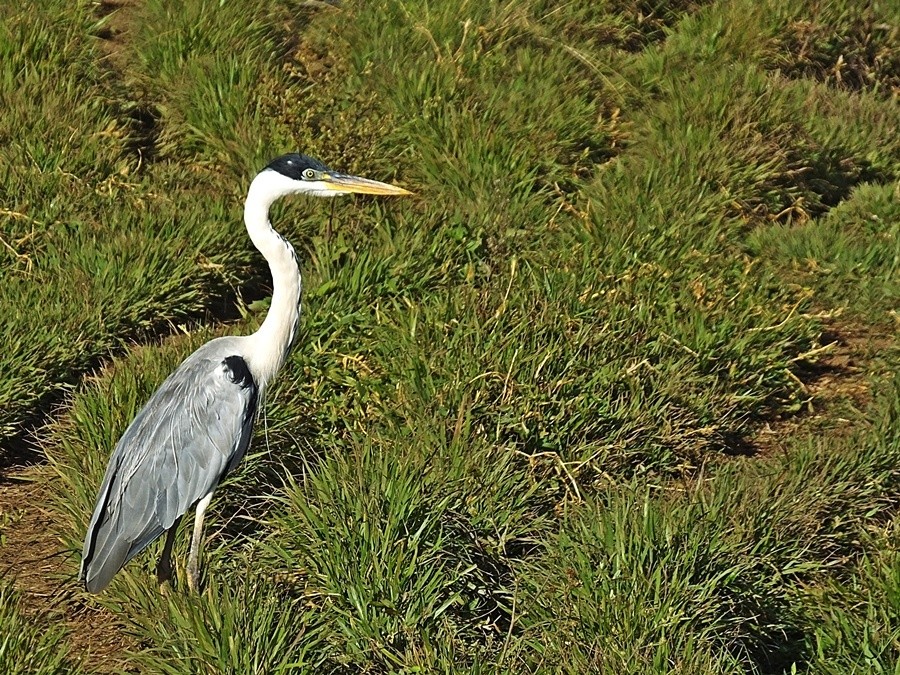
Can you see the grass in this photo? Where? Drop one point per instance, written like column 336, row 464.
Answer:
column 522, row 427
column 851, row 253
column 30, row 645
column 715, row 577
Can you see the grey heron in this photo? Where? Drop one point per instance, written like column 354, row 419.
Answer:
column 197, row 426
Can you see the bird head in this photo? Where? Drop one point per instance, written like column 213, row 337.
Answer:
column 300, row 174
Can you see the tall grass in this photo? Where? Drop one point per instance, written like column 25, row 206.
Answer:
column 33, row 645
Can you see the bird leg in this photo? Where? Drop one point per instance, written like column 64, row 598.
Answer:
column 164, row 567
column 194, row 555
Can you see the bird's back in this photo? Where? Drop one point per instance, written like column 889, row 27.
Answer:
column 194, row 429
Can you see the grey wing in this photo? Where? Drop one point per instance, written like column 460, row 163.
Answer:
column 193, row 430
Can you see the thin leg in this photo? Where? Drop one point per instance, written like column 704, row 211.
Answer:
column 164, row 567
column 194, row 556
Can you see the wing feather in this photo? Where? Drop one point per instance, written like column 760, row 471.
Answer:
column 194, row 429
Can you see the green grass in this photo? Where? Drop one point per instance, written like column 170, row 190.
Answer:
column 32, row 645
column 723, row 575
column 96, row 273
column 505, row 441
column 852, row 255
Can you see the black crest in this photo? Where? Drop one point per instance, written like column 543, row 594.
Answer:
column 294, row 165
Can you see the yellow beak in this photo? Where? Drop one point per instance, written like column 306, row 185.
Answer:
column 342, row 183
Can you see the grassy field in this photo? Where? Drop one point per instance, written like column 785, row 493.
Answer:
column 614, row 392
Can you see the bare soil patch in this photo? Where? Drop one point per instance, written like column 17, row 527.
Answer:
column 838, row 386
column 37, row 560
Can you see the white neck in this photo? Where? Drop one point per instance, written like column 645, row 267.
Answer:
column 269, row 346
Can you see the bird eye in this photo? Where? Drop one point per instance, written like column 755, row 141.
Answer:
column 309, row 174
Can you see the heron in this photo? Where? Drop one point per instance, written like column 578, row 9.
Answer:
column 197, row 426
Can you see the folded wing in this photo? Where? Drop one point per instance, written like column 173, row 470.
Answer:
column 193, row 430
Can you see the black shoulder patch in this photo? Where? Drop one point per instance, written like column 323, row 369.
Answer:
column 294, row 165
column 239, row 372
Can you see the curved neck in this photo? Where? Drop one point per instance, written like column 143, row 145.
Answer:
column 269, row 346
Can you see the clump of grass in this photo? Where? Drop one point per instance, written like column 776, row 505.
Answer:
column 72, row 216
column 846, row 46
column 852, row 255
column 724, row 575
column 854, row 619
column 631, row 25
column 206, row 68
column 58, row 121
column 43, row 159
column 729, row 144
column 634, row 584
column 402, row 550
column 30, row 646
column 244, row 626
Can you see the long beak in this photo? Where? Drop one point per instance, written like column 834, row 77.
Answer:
column 342, row 183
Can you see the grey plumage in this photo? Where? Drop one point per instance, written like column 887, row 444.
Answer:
column 194, row 429
column 197, row 426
